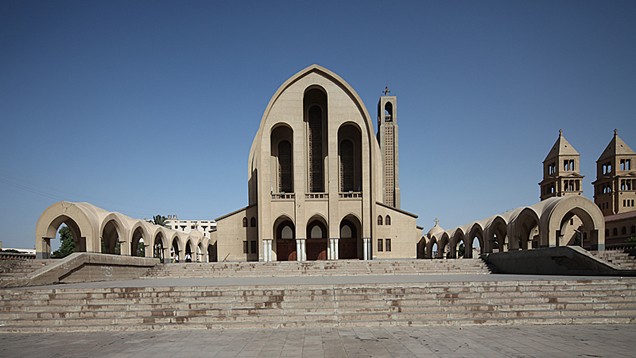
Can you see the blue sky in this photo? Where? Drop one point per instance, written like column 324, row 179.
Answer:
column 150, row 107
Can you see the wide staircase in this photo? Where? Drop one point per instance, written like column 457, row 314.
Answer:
column 319, row 268
column 601, row 301
column 10, row 269
column 624, row 259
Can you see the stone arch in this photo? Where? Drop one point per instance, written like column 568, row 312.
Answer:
column 81, row 221
column 421, row 248
column 212, row 252
column 476, row 232
column 524, row 226
column 285, row 239
column 432, row 248
column 443, row 246
column 560, row 209
column 456, row 239
column 317, row 236
column 159, row 244
column 187, row 248
column 176, row 247
column 139, row 233
column 350, row 247
column 496, row 234
column 113, row 231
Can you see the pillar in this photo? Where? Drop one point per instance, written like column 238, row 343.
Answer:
column 267, row 249
column 366, row 248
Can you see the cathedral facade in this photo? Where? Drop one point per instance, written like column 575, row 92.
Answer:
column 322, row 185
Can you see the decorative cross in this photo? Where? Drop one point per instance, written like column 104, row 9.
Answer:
column 615, row 131
column 436, row 221
column 386, row 90
column 560, row 132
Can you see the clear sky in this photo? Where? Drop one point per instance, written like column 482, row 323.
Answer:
column 150, row 107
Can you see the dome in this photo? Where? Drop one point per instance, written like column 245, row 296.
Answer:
column 435, row 231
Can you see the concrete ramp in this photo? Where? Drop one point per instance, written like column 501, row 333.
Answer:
column 85, row 267
column 564, row 260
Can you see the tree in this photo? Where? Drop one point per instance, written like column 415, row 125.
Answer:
column 159, row 220
column 461, row 251
column 141, row 249
column 68, row 245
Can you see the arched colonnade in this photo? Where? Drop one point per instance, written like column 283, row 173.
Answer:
column 548, row 223
column 97, row 230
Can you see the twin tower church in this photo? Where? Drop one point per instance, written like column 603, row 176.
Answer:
column 324, row 186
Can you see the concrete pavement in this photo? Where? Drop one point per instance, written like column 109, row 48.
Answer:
column 473, row 341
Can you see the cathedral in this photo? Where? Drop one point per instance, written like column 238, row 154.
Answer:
column 322, row 185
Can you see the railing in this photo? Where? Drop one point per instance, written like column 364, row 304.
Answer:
column 317, row 196
column 621, row 247
column 351, row 195
column 16, row 256
column 283, row 196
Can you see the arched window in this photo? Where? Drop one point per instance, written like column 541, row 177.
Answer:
column 285, row 184
column 346, row 166
column 387, row 220
column 253, row 222
column 623, row 230
column 315, row 150
column 388, row 112
column 244, row 222
column 615, row 232
column 606, row 232
column 379, row 219
column 633, row 230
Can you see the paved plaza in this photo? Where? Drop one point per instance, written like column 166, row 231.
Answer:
column 473, row 341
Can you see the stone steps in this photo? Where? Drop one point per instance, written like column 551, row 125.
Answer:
column 623, row 259
column 25, row 267
column 329, row 305
column 318, row 268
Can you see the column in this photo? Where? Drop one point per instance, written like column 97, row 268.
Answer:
column 333, row 249
column 336, row 249
column 366, row 248
column 303, row 250
column 299, row 255
column 267, row 250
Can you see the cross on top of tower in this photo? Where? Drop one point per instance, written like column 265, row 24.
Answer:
column 386, row 90
column 560, row 132
column 436, row 221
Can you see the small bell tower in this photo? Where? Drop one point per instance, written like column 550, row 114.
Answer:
column 561, row 175
column 388, row 140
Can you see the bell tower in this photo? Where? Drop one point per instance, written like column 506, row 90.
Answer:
column 388, row 140
column 615, row 185
column 561, row 175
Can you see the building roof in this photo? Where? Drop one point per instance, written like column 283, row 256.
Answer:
column 561, row 147
column 621, row 216
column 616, row 147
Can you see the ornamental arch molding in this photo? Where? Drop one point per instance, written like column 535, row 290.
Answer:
column 82, row 222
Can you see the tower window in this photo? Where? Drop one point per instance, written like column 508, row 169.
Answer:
column 626, row 164
column 253, row 222
column 380, row 249
column 387, row 245
column 607, row 168
column 387, row 220
column 244, row 222
column 388, row 112
column 379, row 219
column 568, row 165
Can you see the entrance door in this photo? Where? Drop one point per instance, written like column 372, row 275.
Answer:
column 286, row 249
column 316, row 249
